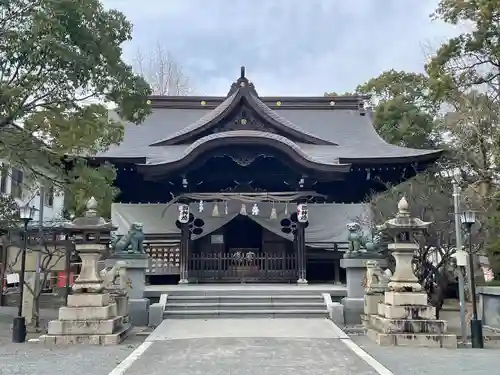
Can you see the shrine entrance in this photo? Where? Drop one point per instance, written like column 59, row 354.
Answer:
column 242, row 251
column 242, row 234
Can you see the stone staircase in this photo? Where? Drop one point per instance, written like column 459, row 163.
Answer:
column 242, row 304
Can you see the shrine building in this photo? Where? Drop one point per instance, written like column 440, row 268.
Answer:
column 242, row 163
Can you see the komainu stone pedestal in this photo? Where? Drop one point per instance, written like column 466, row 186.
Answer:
column 376, row 285
column 355, row 275
column 136, row 265
column 88, row 319
column 371, row 302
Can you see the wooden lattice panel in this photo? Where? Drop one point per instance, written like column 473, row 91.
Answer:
column 163, row 260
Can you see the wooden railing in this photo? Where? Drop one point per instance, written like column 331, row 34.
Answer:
column 242, row 266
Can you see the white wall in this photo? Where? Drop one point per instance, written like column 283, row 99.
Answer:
column 31, row 196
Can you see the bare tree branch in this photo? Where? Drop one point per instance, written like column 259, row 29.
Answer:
column 164, row 74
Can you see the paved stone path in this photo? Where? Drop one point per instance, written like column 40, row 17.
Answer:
column 426, row 361
column 248, row 346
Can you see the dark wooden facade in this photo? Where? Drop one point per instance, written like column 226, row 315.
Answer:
column 243, row 143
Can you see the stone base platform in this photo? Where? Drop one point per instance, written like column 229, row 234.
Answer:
column 406, row 312
column 371, row 302
column 365, row 320
column 405, row 319
column 95, row 339
column 386, row 325
column 88, row 319
column 426, row 340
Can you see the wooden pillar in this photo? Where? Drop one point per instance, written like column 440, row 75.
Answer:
column 301, row 253
column 184, row 254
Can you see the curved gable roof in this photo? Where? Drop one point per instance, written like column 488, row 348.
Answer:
column 184, row 154
column 242, row 92
column 341, row 131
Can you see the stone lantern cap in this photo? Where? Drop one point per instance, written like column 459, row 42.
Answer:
column 403, row 222
column 90, row 221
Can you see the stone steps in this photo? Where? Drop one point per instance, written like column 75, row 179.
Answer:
column 155, row 292
column 247, row 313
column 244, row 298
column 229, row 305
column 245, row 306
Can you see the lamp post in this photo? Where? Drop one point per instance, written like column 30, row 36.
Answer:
column 460, row 255
column 468, row 219
column 26, row 214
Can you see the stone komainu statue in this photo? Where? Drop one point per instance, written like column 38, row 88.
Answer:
column 359, row 242
column 377, row 280
column 132, row 242
column 116, row 278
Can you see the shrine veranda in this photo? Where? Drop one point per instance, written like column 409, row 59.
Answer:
column 242, row 163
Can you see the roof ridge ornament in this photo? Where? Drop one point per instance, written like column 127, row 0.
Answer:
column 242, row 83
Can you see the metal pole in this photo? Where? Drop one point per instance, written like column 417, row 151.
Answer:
column 476, row 325
column 23, row 269
column 68, row 271
column 37, row 287
column 19, row 323
column 460, row 273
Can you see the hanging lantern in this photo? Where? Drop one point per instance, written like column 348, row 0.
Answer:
column 184, row 213
column 302, row 213
column 274, row 214
column 255, row 209
column 243, row 210
column 215, row 211
column 226, row 210
column 200, row 206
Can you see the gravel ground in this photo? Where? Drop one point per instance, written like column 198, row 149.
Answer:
column 422, row 361
column 37, row 359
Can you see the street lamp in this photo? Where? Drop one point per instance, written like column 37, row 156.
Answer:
column 26, row 214
column 468, row 219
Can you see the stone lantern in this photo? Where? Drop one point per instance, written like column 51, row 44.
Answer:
column 86, row 232
column 404, row 317
column 402, row 229
column 91, row 315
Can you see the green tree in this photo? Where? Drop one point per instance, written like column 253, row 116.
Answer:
column 60, row 71
column 465, row 74
column 403, row 113
column 8, row 213
column 86, row 182
column 472, row 127
column 472, row 59
column 493, row 243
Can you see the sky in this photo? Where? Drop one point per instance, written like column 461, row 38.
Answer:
column 289, row 47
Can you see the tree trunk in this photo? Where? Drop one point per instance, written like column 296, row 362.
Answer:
column 36, row 316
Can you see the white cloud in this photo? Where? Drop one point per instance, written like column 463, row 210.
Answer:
column 290, row 47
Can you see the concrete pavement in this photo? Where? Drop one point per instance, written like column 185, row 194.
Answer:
column 425, row 361
column 249, row 346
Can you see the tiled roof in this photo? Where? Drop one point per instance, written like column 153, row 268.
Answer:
column 354, row 134
column 330, row 133
column 174, row 154
column 208, row 117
